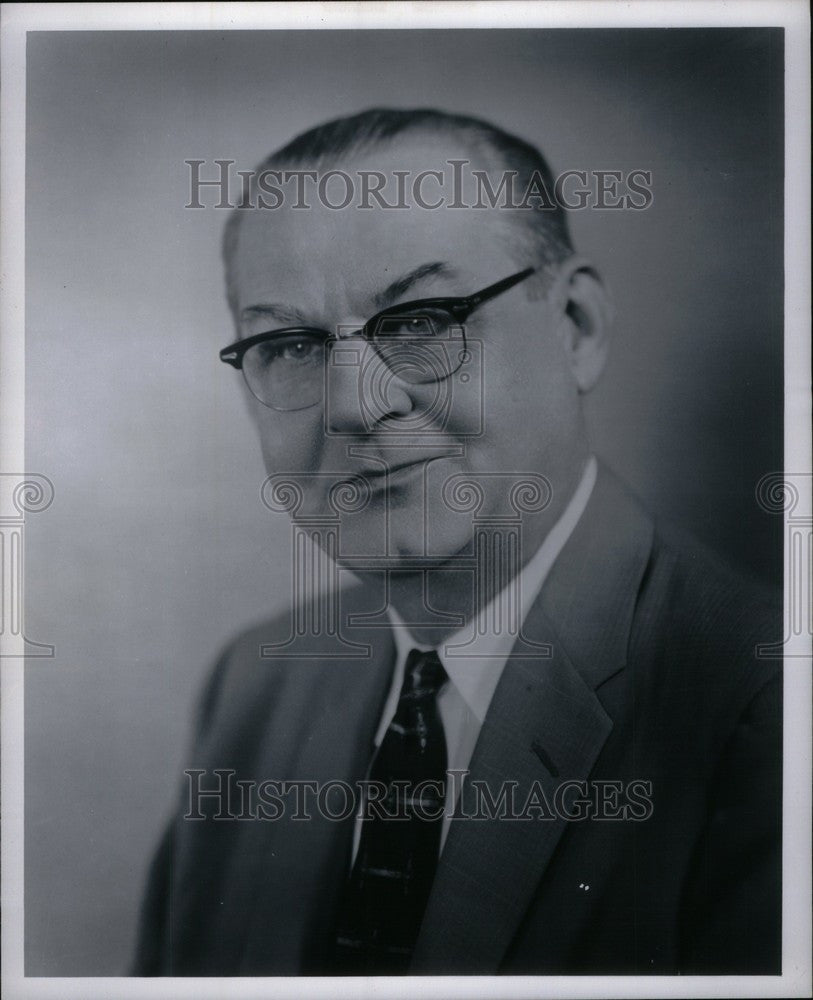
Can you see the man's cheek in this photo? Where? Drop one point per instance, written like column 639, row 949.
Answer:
column 291, row 445
column 462, row 414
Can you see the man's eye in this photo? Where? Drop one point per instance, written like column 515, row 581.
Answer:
column 427, row 323
column 291, row 350
column 297, row 350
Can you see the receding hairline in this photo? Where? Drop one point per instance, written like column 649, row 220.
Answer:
column 472, row 135
column 332, row 143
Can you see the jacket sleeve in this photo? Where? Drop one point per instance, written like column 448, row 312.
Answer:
column 732, row 913
column 153, row 929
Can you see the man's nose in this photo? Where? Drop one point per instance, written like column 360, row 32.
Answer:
column 361, row 390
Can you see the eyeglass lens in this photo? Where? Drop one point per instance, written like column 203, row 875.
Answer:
column 288, row 372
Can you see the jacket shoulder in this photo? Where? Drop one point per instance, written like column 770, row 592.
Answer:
column 701, row 642
column 242, row 659
column 709, row 608
column 274, row 662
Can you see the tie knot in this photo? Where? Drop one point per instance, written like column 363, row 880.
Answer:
column 423, row 674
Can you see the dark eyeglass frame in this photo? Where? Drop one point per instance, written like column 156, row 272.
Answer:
column 459, row 307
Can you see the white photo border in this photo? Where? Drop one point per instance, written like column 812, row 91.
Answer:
column 792, row 15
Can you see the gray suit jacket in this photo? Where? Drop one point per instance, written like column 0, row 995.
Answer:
column 650, row 674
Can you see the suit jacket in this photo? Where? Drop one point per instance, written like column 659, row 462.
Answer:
column 650, row 673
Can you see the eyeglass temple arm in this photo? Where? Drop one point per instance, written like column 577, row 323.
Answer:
column 498, row 288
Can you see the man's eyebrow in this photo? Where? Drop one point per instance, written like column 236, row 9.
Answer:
column 274, row 311
column 286, row 315
column 402, row 285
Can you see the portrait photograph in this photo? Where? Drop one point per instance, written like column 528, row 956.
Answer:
column 406, row 500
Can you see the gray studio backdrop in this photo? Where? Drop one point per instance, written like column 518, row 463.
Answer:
column 157, row 547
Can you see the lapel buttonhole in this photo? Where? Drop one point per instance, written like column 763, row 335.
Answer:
column 542, row 754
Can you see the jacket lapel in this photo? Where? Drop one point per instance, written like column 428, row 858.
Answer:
column 545, row 726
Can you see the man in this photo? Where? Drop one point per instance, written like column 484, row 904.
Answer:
column 567, row 750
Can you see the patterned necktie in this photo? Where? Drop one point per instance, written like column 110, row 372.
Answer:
column 389, row 886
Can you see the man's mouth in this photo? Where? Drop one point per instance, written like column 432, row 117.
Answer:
column 378, row 475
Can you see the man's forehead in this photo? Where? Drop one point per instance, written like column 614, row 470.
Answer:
column 299, row 249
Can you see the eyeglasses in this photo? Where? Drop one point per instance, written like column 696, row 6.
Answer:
column 284, row 369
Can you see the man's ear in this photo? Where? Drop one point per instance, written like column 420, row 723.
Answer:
column 585, row 313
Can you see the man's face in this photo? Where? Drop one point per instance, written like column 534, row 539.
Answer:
column 510, row 411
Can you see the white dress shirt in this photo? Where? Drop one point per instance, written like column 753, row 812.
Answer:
column 475, row 669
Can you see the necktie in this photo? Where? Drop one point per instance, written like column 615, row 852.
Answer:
column 389, row 885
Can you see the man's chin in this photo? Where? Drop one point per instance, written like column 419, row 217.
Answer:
column 402, row 555
column 401, row 562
